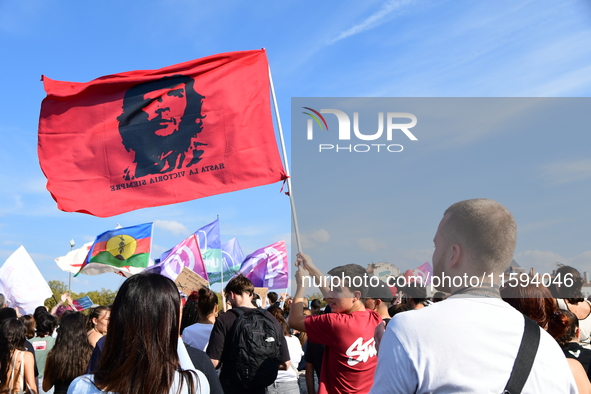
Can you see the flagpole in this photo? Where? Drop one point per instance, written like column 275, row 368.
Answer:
column 72, row 244
column 222, row 270
column 283, row 150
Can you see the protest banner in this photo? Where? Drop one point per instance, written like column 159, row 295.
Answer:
column 262, row 292
column 189, row 281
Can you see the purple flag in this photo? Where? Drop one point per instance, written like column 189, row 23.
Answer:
column 185, row 254
column 268, row 266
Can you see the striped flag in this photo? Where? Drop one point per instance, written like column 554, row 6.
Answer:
column 124, row 251
column 83, row 303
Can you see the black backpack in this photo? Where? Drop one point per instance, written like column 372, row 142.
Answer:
column 254, row 358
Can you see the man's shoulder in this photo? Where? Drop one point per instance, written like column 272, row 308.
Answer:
column 228, row 318
column 453, row 306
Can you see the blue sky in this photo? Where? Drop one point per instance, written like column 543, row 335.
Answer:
column 328, row 49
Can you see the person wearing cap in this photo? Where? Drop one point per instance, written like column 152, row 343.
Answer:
column 378, row 299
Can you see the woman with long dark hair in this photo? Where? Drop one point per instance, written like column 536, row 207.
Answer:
column 16, row 364
column 190, row 311
column 70, row 354
column 141, row 353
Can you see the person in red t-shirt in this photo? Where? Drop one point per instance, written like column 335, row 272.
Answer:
column 350, row 356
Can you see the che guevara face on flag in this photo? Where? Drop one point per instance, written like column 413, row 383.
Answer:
column 160, row 123
column 146, row 138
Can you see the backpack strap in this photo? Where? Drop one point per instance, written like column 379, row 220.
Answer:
column 237, row 311
column 525, row 357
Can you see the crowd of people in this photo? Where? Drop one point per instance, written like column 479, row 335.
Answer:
column 357, row 339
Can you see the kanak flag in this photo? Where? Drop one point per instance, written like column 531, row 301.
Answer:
column 124, row 251
column 154, row 137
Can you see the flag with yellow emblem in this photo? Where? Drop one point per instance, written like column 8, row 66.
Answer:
column 124, row 251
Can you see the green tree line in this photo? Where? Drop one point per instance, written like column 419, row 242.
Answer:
column 102, row 297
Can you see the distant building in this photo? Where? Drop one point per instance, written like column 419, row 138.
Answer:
column 383, row 270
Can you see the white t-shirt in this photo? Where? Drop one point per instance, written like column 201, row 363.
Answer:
column 197, row 335
column 85, row 385
column 295, row 356
column 464, row 344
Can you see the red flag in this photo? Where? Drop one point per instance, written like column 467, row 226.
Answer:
column 155, row 137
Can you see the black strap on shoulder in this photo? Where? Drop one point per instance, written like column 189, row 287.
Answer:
column 237, row 311
column 525, row 357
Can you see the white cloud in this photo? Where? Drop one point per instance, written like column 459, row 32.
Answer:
column 370, row 244
column 174, row 227
column 561, row 172
column 373, row 20
column 310, row 240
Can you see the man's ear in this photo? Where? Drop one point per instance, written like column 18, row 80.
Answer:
column 455, row 254
column 378, row 302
